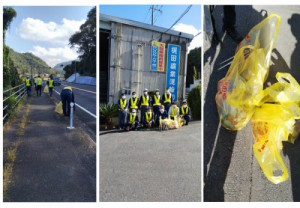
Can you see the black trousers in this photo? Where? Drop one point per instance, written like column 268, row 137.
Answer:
column 229, row 16
column 66, row 99
column 38, row 90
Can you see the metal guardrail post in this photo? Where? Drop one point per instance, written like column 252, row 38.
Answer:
column 71, row 116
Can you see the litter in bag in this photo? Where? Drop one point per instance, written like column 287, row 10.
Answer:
column 46, row 89
column 58, row 108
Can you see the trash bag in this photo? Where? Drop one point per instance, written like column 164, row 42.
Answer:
column 270, row 129
column 239, row 92
column 170, row 124
column 59, row 109
column 286, row 90
column 46, row 89
column 236, row 94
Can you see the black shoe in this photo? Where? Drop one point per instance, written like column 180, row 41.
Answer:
column 235, row 36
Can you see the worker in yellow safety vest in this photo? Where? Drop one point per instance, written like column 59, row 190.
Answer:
column 123, row 108
column 144, row 104
column 185, row 112
column 50, row 85
column 39, row 83
column 67, row 96
column 28, row 86
column 167, row 99
column 132, row 120
column 133, row 102
column 173, row 111
column 156, row 103
column 149, row 118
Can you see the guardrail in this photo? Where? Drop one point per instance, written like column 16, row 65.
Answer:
column 18, row 91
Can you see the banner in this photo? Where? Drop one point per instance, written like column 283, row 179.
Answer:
column 157, row 56
column 173, row 69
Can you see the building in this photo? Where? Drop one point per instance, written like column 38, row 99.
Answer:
column 128, row 53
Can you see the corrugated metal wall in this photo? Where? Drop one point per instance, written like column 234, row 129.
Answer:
column 130, row 60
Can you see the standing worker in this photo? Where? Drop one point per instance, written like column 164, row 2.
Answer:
column 133, row 102
column 39, row 83
column 50, row 85
column 123, row 107
column 28, row 86
column 167, row 99
column 173, row 111
column 156, row 103
column 185, row 112
column 67, row 96
column 34, row 81
column 144, row 104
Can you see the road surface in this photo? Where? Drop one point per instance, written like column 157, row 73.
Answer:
column 151, row 165
column 231, row 172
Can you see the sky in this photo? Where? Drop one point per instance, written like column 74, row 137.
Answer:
column 190, row 23
column 45, row 31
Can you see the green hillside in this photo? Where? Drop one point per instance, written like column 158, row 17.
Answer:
column 22, row 62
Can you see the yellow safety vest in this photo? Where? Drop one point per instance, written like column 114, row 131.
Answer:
column 186, row 110
column 68, row 88
column 27, row 82
column 34, row 80
column 39, row 81
column 133, row 103
column 156, row 100
column 145, row 101
column 123, row 104
column 131, row 118
column 148, row 116
column 50, row 83
column 174, row 111
column 167, row 98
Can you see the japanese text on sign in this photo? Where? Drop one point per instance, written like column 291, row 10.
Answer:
column 157, row 56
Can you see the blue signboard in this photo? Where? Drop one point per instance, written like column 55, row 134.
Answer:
column 173, row 69
column 154, row 53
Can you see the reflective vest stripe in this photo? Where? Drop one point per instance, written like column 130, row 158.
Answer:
column 133, row 104
column 156, row 100
column 148, row 117
column 167, row 98
column 40, row 81
column 174, row 111
column 123, row 104
column 27, row 82
column 186, row 110
column 132, row 118
column 68, row 88
column 145, row 101
column 50, row 83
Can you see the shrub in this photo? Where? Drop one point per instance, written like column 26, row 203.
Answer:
column 107, row 111
column 194, row 101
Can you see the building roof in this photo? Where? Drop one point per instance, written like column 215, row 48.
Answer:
column 109, row 18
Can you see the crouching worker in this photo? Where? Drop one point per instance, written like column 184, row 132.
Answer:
column 67, row 96
column 185, row 112
column 162, row 114
column 132, row 121
column 149, row 118
column 173, row 111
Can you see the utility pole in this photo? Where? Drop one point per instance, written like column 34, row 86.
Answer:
column 153, row 9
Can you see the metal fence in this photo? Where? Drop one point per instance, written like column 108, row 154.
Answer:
column 19, row 92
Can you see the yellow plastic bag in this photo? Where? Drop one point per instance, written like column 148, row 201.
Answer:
column 286, row 90
column 272, row 124
column 58, row 108
column 237, row 90
column 46, row 89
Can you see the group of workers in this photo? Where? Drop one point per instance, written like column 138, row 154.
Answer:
column 151, row 110
column 38, row 84
column 66, row 95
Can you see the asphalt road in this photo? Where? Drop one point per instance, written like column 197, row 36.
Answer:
column 151, row 165
column 85, row 96
column 231, row 172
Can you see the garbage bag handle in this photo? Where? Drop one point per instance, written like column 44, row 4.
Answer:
column 286, row 79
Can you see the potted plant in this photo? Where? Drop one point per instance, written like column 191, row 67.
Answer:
column 108, row 111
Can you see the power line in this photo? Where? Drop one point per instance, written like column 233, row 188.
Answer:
column 147, row 14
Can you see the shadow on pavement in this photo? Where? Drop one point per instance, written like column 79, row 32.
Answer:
column 219, row 142
column 293, row 150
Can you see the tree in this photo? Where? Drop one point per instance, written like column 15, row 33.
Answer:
column 85, row 41
column 8, row 15
column 193, row 66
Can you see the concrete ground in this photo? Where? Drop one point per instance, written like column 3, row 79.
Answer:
column 151, row 165
column 53, row 164
column 231, row 172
